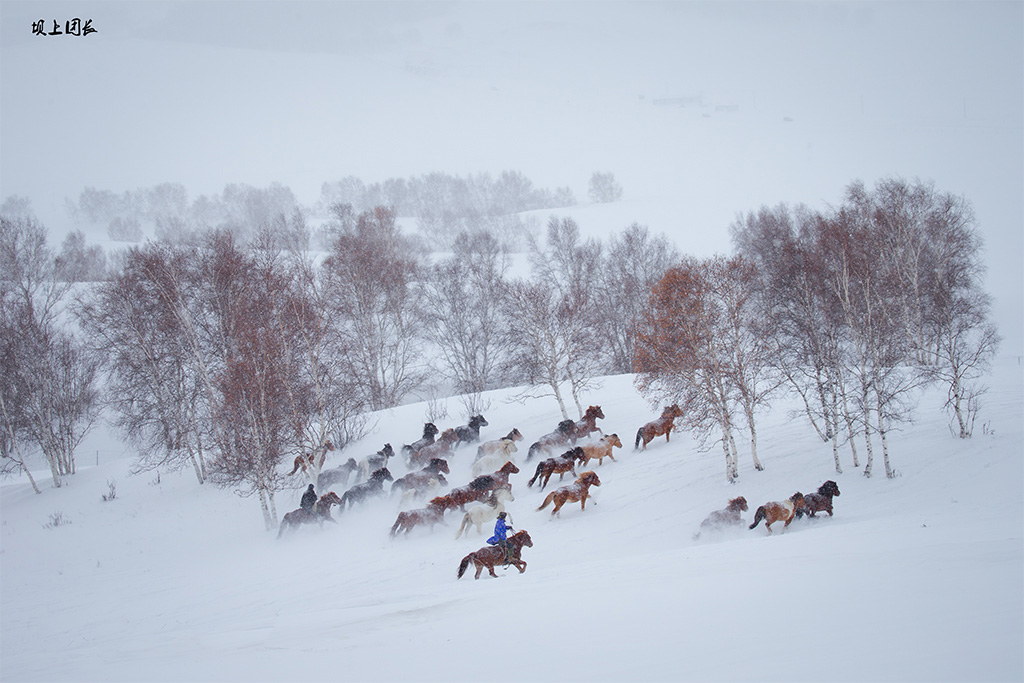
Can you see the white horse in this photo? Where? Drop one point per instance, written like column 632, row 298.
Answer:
column 489, row 447
column 482, row 513
column 413, row 494
column 493, row 462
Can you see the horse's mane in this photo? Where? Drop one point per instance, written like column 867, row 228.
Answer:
column 739, row 503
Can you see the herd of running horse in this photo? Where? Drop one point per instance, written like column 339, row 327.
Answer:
column 484, row 497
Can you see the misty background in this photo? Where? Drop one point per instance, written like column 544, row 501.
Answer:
column 701, row 110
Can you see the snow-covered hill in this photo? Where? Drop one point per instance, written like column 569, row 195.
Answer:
column 915, row 578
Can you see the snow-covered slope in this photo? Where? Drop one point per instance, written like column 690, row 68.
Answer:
column 915, row 578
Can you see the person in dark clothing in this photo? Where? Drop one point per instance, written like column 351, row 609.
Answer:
column 308, row 499
column 501, row 529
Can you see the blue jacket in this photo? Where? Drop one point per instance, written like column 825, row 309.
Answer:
column 500, row 529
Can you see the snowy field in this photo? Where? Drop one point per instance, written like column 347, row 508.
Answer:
column 918, row 578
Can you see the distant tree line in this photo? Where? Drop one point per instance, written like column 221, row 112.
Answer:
column 852, row 310
column 231, row 356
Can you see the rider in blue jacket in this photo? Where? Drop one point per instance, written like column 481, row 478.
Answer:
column 501, row 528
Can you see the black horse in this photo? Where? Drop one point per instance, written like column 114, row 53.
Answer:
column 471, row 432
column 820, row 501
column 430, row 430
column 374, row 486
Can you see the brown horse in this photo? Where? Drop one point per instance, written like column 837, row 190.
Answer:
column 491, row 447
column 440, row 448
column 583, row 427
column 410, row 518
column 660, row 427
column 312, row 462
column 577, row 491
column 778, row 512
column 600, row 450
column 820, row 501
column 566, row 462
column 321, row 513
column 492, row 555
column 560, row 437
column 459, row 498
column 728, row 516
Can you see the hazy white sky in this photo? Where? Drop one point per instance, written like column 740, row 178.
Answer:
column 796, row 100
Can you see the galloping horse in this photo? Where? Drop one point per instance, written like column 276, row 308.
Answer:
column 312, row 462
column 577, row 491
column 374, row 486
column 440, row 448
column 410, row 518
column 489, row 447
column 728, row 516
column 336, row 475
column 587, row 424
column 496, row 459
column 600, row 450
column 498, row 479
column 429, row 432
column 566, row 462
column 660, row 427
column 459, row 498
column 492, row 555
column 376, row 461
column 559, row 437
column 471, row 432
column 820, row 501
column 478, row 515
column 778, row 512
column 321, row 513
column 415, row 481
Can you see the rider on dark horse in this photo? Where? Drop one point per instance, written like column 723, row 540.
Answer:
column 308, row 500
column 501, row 528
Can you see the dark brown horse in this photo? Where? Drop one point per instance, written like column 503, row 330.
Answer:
column 587, row 424
column 578, row 491
column 459, row 498
column 497, row 479
column 430, row 430
column 783, row 511
column 820, row 501
column 440, row 448
column 415, row 481
column 321, row 513
column 560, row 437
column 471, row 432
column 726, row 517
column 492, row 555
column 566, row 462
column 373, row 487
column 411, row 518
column 660, row 427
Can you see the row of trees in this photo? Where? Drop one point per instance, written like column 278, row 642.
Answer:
column 853, row 310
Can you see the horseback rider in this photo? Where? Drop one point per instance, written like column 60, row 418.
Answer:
column 501, row 528
column 308, row 500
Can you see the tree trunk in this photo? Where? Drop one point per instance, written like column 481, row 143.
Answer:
column 269, row 522
column 730, row 471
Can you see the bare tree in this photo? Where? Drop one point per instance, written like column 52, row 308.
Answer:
column 604, row 188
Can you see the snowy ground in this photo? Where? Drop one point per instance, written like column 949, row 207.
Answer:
column 915, row 578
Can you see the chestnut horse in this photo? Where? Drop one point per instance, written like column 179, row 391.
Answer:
column 560, row 437
column 587, row 424
column 566, row 462
column 820, row 501
column 778, row 512
column 321, row 513
column 660, row 427
column 600, row 450
column 577, row 491
column 492, row 555
column 496, row 479
column 410, row 518
column 312, row 462
column 489, row 447
column 728, row 516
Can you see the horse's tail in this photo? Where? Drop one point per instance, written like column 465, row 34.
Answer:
column 758, row 516
column 639, row 435
column 534, row 450
column 551, row 497
column 536, row 475
column 466, row 521
column 296, row 468
column 464, row 565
